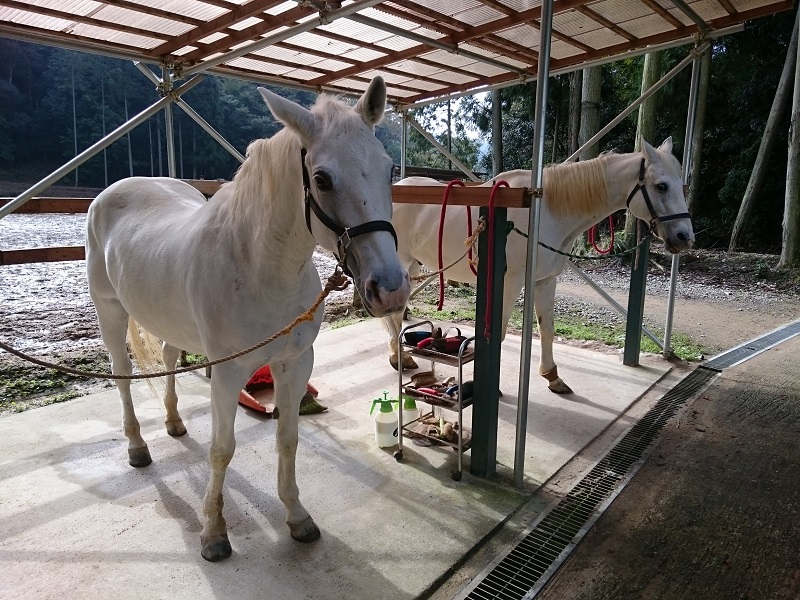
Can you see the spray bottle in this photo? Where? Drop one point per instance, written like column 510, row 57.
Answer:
column 385, row 422
column 410, row 410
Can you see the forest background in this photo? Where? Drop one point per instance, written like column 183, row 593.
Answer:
column 54, row 103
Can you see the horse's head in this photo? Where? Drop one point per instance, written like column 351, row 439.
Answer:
column 658, row 197
column 347, row 185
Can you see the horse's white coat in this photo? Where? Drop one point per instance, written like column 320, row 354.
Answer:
column 219, row 276
column 418, row 235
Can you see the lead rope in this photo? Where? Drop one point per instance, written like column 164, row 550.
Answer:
column 336, row 282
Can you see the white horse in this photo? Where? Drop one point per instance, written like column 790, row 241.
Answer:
column 217, row 277
column 576, row 196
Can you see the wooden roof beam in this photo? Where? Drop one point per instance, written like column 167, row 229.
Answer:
column 221, row 23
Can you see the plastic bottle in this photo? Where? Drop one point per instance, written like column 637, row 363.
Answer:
column 385, row 422
column 410, row 410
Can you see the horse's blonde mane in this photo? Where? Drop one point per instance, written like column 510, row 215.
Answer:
column 272, row 167
column 576, row 188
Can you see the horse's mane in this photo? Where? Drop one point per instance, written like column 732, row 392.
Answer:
column 577, row 188
column 271, row 169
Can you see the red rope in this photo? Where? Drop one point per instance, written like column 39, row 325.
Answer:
column 593, row 232
column 441, row 236
column 490, row 257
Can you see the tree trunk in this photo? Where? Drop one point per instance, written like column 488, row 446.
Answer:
column 575, row 87
column 767, row 142
column 590, row 110
column 790, row 240
column 699, row 129
column 497, row 132
column 590, row 123
column 645, row 128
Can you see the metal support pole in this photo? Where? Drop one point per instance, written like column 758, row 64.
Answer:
column 614, row 304
column 209, row 129
column 528, row 317
column 486, row 394
column 193, row 114
column 97, row 147
column 467, row 171
column 168, row 123
column 403, row 143
column 638, row 289
column 691, row 117
column 497, row 133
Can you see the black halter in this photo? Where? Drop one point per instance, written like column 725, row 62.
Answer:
column 655, row 218
column 345, row 234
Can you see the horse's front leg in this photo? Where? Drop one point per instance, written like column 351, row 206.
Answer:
column 544, row 302
column 290, row 383
column 394, row 324
column 225, row 386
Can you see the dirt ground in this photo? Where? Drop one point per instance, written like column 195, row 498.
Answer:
column 713, row 513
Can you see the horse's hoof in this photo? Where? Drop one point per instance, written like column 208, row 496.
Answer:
column 409, row 363
column 175, row 428
column 559, row 387
column 219, row 549
column 305, row 531
column 139, row 457
column 394, row 363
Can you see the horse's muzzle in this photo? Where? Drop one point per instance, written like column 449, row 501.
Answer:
column 383, row 296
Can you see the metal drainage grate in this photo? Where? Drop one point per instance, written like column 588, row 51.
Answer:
column 527, row 567
column 749, row 349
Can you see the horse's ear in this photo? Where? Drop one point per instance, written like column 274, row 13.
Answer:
column 290, row 113
column 649, row 152
column 372, row 104
column 666, row 145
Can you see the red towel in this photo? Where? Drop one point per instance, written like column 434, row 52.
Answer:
column 262, row 379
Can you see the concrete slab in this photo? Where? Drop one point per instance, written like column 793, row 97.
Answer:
column 78, row 522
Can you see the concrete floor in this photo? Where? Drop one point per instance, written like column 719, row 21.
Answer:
column 78, row 522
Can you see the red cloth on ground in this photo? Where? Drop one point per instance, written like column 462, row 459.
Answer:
column 263, row 379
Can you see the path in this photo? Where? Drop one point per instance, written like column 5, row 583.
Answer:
column 713, row 513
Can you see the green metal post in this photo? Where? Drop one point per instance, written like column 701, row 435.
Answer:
column 636, row 295
column 486, row 391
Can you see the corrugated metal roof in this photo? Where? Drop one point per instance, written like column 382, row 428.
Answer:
column 425, row 49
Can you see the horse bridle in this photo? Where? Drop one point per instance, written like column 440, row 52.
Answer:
column 655, row 218
column 345, row 235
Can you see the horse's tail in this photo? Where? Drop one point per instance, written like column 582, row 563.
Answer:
column 145, row 348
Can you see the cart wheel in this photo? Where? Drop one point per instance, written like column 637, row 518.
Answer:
column 457, row 476
column 398, row 455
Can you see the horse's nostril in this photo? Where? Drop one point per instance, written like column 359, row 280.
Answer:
column 683, row 237
column 371, row 290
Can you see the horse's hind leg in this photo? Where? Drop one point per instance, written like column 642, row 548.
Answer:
column 173, row 420
column 544, row 302
column 113, row 322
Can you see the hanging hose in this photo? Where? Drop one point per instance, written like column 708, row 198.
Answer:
column 593, row 233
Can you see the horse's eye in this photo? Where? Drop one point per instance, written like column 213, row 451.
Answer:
column 322, row 180
column 662, row 187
